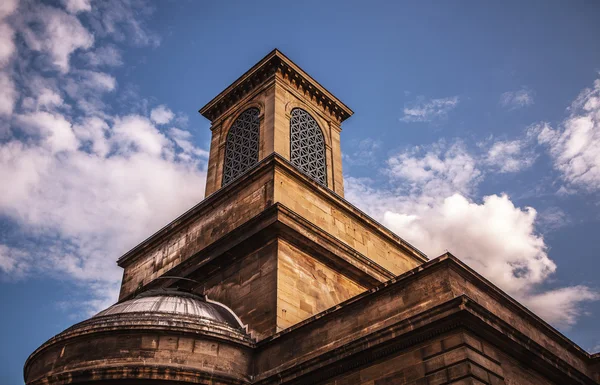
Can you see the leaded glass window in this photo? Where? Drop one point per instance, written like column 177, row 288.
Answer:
column 307, row 150
column 241, row 149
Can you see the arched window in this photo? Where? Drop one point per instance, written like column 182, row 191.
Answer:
column 241, row 149
column 307, row 150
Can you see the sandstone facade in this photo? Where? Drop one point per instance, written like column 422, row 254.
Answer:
column 317, row 291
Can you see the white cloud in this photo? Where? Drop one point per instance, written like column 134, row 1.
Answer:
column 423, row 110
column 561, row 306
column 7, row 7
column 553, row 218
column 98, row 202
column 104, row 56
column 85, row 182
column 40, row 94
column 494, row 237
column 54, row 130
column 138, row 133
column 122, row 21
column 76, row 6
column 93, row 132
column 97, row 81
column 510, row 156
column 428, row 201
column 56, row 33
column 575, row 145
column 161, row 115
column 49, row 98
column 517, row 99
column 7, row 45
column 442, row 170
column 365, row 152
column 13, row 262
column 183, row 139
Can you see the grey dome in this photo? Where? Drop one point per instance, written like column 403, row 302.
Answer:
column 173, row 301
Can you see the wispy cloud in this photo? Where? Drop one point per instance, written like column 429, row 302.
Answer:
column 108, row 55
column 517, row 99
column 429, row 110
column 553, row 218
column 363, row 152
column 575, row 144
column 509, row 156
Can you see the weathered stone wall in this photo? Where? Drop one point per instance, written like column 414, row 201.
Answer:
column 418, row 307
column 306, row 286
column 516, row 373
column 505, row 310
column 213, row 221
column 352, row 321
column 249, row 288
column 278, row 286
column 344, row 222
column 595, row 367
column 143, row 355
column 458, row 358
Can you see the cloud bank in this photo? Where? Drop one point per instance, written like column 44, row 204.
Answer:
column 428, row 198
column 83, row 182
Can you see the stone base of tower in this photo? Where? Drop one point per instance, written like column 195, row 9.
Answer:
column 274, row 246
column 277, row 286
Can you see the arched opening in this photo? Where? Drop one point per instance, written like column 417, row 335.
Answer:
column 241, row 148
column 307, row 147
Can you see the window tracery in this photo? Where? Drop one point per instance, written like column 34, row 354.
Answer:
column 241, row 148
column 307, row 147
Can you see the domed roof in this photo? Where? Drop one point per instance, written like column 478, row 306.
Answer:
column 173, row 301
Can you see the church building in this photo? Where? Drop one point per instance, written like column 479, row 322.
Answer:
column 274, row 278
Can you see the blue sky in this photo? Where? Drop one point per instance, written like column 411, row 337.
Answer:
column 476, row 130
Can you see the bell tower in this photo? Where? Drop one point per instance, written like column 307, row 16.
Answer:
column 273, row 240
column 276, row 107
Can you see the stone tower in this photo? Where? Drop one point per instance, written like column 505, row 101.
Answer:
column 274, row 278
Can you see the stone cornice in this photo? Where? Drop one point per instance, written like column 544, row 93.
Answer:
column 275, row 63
